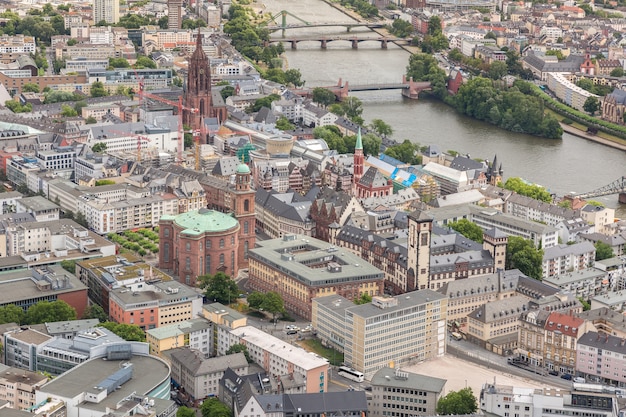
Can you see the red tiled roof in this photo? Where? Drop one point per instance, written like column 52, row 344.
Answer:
column 563, row 323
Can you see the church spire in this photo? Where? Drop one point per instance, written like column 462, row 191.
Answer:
column 359, row 142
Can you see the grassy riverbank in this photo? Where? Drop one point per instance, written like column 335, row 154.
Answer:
column 580, row 130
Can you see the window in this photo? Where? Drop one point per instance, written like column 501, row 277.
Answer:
column 166, row 252
column 221, row 259
column 246, row 205
column 208, row 264
column 166, row 232
column 187, row 263
column 246, row 227
column 207, row 244
column 424, row 241
column 188, row 246
column 221, row 243
column 245, row 249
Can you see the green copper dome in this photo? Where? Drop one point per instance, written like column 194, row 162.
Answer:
column 243, row 169
column 204, row 220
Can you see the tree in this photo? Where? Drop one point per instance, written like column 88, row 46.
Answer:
column 118, row 63
column 67, row 111
column 586, row 304
column 219, row 287
column 99, row 147
column 458, row 402
column 213, row 407
column 497, row 70
column 94, row 311
column 162, row 22
column 30, row 88
column 283, row 124
column 405, row 152
column 424, row 67
column 11, row 314
column 617, row 72
column 434, row 25
column 185, row 411
column 98, row 90
column 90, row 120
column 371, row 144
column 263, row 102
column 69, row 266
column 78, row 106
column 294, row 76
column 363, row 299
column 401, row 28
column 225, row 92
column 272, row 302
column 238, row 347
column 523, row 255
column 81, row 219
column 323, row 96
column 603, row 251
column 46, row 311
column 591, row 105
column 129, row 332
column 144, row 62
column 468, row 229
column 16, row 107
column 529, row 190
column 380, row 127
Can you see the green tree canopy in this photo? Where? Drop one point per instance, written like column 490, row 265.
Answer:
column 371, row 144
column 99, row 147
column 424, row 67
column 118, row 63
column 16, row 107
column 294, row 77
column 91, row 120
column 226, row 92
column 69, row 266
column 271, row 302
column 406, row 152
column 129, row 332
column 468, row 229
column 323, row 96
column 458, row 402
column 381, row 128
column 67, row 111
column 219, row 287
column 264, row 102
column 617, row 72
column 529, row 190
column 98, row 90
column 144, row 62
column 363, row 299
column 185, row 411
column 238, row 347
column 603, row 251
column 213, row 407
column 46, row 311
column 591, row 105
column 30, row 88
column 401, row 28
column 497, row 70
column 94, row 311
column 283, row 124
column 523, row 255
column 11, row 314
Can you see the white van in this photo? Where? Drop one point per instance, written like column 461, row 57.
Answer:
column 579, row 379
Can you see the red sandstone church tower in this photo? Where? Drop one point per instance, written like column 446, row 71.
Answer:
column 198, row 94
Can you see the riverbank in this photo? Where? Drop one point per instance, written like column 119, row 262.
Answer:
column 593, row 138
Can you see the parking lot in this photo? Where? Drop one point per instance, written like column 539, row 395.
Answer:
column 461, row 374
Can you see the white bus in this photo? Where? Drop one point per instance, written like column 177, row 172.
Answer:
column 350, row 374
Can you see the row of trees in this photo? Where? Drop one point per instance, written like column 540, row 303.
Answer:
column 42, row 312
column 346, row 144
column 521, row 187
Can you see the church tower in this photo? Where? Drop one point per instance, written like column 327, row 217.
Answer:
column 243, row 207
column 198, row 95
column 358, row 160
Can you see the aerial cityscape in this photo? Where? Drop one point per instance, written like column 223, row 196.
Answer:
column 312, row 208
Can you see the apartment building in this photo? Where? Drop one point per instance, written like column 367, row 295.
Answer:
column 601, row 357
column 562, row 259
column 404, row 394
column 494, row 325
column 599, row 216
column 106, row 10
column 567, row 91
column 539, row 211
column 585, row 283
column 41, row 208
column 301, row 268
column 562, row 332
column 197, row 334
column 86, row 51
column 100, row 110
column 404, row 329
column 162, row 39
column 18, row 44
column 18, row 386
column 292, row 367
column 20, row 348
column 200, row 376
column 82, row 65
column 151, row 306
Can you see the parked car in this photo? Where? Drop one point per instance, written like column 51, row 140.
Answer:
column 292, row 331
column 555, row 373
column 566, row 376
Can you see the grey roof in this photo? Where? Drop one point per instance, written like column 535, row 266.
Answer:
column 373, row 178
column 495, row 233
column 606, row 315
column 356, row 236
column 286, row 205
column 565, row 250
column 603, row 341
column 499, row 309
column 388, row 377
column 618, row 95
column 162, row 294
column 407, row 300
column 37, row 203
column 226, row 166
column 59, row 327
column 463, row 163
column 195, row 363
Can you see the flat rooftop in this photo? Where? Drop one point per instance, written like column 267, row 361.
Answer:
column 312, row 261
column 148, row 373
column 38, row 203
column 22, row 284
column 575, row 276
column 278, row 347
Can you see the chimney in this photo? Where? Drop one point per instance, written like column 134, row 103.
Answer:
column 622, row 342
column 598, row 338
column 607, row 338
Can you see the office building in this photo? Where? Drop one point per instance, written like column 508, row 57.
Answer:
column 399, row 393
column 402, row 330
column 106, row 10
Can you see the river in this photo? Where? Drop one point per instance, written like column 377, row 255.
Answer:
column 572, row 164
